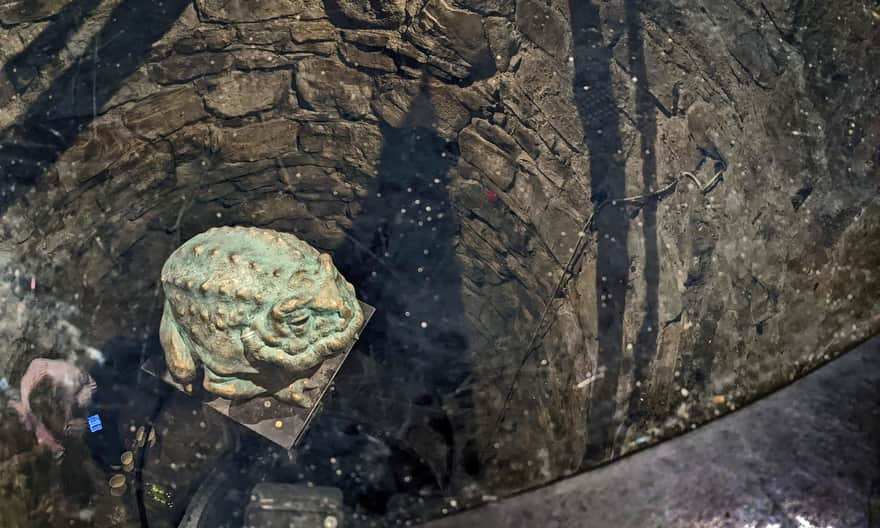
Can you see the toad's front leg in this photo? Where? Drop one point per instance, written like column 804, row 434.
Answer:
column 295, row 393
column 229, row 387
column 315, row 384
column 178, row 355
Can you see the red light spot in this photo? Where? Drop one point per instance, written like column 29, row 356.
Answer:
column 491, row 196
column 33, row 283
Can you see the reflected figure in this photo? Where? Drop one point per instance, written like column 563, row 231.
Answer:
column 70, row 395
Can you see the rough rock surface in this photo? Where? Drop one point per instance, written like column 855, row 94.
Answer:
column 29, row 10
column 325, row 85
column 369, row 13
column 520, row 121
column 240, row 93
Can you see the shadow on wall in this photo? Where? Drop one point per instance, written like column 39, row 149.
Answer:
column 597, row 106
column 645, row 349
column 27, row 65
column 405, row 380
column 55, row 119
column 609, row 417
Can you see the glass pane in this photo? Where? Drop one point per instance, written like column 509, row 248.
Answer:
column 585, row 227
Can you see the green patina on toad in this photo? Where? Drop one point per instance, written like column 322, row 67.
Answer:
column 259, row 309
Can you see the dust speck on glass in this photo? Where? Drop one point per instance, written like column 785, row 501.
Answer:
column 447, row 251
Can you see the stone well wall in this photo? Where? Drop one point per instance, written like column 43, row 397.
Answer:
column 129, row 128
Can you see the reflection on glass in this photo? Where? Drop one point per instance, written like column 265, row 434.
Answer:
column 586, row 227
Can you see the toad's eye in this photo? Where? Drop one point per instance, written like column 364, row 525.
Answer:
column 299, row 318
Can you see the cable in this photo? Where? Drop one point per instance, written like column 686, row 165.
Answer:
column 579, row 250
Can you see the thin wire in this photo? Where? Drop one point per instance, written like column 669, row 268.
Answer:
column 567, row 271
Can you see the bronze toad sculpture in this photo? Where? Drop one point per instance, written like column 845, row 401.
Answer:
column 259, row 309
